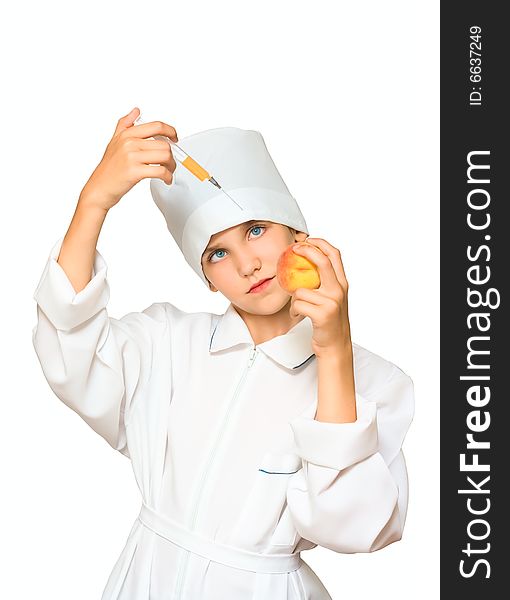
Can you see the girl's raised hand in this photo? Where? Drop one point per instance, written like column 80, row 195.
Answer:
column 130, row 157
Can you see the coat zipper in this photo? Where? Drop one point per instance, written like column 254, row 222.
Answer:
column 183, row 564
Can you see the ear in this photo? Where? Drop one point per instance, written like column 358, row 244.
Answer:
column 300, row 236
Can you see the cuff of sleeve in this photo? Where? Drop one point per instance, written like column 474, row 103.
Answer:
column 337, row 445
column 58, row 299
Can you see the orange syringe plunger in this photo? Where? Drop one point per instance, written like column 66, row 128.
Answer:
column 195, row 168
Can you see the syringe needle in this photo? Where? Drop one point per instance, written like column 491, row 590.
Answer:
column 214, row 182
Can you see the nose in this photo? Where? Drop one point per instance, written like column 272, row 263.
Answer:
column 248, row 264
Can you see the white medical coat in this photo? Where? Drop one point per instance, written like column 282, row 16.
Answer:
column 222, row 439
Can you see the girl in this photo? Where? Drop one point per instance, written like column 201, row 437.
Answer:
column 253, row 435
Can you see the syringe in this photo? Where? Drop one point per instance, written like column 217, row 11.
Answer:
column 186, row 161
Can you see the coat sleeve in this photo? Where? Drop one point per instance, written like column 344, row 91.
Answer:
column 351, row 494
column 93, row 363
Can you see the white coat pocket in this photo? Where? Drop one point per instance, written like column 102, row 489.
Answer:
column 258, row 526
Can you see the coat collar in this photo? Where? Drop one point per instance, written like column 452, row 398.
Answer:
column 290, row 350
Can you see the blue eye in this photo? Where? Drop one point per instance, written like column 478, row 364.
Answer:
column 259, row 227
column 213, row 254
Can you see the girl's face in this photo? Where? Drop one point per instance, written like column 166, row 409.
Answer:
column 239, row 257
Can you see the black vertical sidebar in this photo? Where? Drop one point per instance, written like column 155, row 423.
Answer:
column 475, row 257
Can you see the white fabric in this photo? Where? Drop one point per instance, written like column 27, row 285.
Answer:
column 230, row 452
column 239, row 161
column 221, row 553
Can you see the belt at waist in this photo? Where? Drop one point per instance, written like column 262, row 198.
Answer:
column 221, row 553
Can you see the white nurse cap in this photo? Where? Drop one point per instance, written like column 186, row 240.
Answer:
column 240, row 162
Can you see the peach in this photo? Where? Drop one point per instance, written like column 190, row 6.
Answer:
column 294, row 271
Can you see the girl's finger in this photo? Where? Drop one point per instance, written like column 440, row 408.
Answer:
column 150, row 144
column 334, row 256
column 156, row 157
column 153, row 128
column 300, row 307
column 312, row 296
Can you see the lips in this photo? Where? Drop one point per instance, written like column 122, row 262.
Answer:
column 260, row 283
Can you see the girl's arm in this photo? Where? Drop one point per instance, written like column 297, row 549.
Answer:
column 95, row 364
column 336, row 389
column 351, row 494
column 78, row 248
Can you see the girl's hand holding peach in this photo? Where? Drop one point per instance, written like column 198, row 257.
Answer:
column 322, row 295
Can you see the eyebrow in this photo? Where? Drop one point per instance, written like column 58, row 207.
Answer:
column 220, row 245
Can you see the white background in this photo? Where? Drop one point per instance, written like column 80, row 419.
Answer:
column 346, row 96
